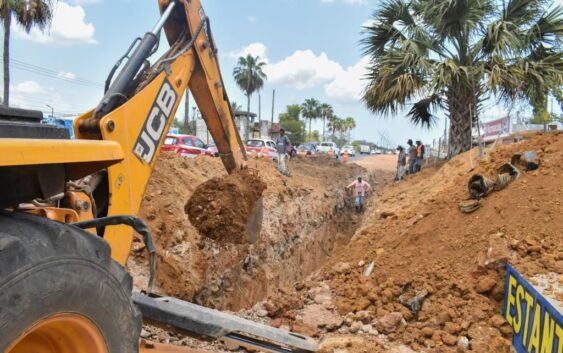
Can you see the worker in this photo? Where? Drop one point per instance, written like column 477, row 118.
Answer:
column 412, row 157
column 419, row 155
column 283, row 145
column 345, row 157
column 401, row 163
column 360, row 189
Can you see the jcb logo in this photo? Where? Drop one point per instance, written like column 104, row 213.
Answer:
column 155, row 124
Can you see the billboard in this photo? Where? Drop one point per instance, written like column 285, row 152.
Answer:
column 536, row 323
column 497, row 128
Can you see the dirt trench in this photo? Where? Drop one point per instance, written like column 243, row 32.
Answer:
column 307, row 218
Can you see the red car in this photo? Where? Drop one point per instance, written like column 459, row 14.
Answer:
column 186, row 146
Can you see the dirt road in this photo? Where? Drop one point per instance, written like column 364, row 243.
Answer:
column 378, row 163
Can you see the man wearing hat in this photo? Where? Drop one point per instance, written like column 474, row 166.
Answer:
column 283, row 146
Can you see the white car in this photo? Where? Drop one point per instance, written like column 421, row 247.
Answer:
column 348, row 149
column 325, row 147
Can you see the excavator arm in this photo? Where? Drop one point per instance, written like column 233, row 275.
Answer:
column 139, row 107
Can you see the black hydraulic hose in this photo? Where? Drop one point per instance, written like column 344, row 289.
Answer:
column 118, row 89
column 139, row 226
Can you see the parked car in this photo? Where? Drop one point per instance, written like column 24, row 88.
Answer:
column 376, row 151
column 365, row 149
column 348, row 149
column 327, row 146
column 186, row 146
column 258, row 146
column 306, row 149
column 213, row 150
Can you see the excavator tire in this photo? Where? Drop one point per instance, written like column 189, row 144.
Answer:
column 52, row 273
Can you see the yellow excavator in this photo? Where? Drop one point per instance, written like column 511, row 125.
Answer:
column 68, row 206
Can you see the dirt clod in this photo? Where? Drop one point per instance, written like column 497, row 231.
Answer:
column 220, row 207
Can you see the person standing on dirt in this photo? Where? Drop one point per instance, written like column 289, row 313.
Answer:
column 283, row 145
column 401, row 163
column 412, row 157
column 360, row 189
column 419, row 155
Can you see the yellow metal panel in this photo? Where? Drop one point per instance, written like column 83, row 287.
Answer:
column 128, row 179
column 20, row 152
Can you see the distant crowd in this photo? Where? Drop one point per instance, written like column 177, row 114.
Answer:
column 415, row 154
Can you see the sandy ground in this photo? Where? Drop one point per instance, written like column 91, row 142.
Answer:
column 380, row 163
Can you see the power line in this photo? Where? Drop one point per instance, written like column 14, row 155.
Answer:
column 23, row 66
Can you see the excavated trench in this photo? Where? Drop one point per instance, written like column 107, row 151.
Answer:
column 307, row 218
column 303, row 242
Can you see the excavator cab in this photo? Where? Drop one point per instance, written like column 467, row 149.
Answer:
column 68, row 206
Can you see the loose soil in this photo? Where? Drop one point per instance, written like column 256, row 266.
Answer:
column 425, row 251
column 220, row 207
column 412, row 275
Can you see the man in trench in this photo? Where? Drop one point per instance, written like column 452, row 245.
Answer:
column 361, row 188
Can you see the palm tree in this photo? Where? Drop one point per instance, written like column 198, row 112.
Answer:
column 349, row 124
column 27, row 13
column 235, row 106
column 454, row 54
column 334, row 123
column 249, row 75
column 311, row 110
column 326, row 111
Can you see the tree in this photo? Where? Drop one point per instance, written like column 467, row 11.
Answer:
column 326, row 111
column 235, row 106
column 348, row 125
column 315, row 136
column 249, row 75
column 454, row 54
column 334, row 125
column 289, row 121
column 311, row 109
column 28, row 14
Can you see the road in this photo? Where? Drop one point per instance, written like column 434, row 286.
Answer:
column 381, row 162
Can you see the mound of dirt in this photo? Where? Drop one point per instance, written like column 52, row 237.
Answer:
column 442, row 270
column 220, row 207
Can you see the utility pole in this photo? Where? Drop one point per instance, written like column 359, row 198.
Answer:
column 187, row 112
column 273, row 104
column 52, row 110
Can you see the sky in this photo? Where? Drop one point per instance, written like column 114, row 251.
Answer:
column 311, row 48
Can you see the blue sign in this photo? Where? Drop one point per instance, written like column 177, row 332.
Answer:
column 537, row 325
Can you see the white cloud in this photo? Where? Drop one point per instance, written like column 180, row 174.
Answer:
column 66, row 75
column 32, row 95
column 251, row 19
column 348, row 85
column 68, row 28
column 254, row 49
column 303, row 69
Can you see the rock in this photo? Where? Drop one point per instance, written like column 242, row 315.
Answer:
column 342, row 267
column 318, row 316
column 462, row 344
column 367, row 328
column 145, row 333
column 389, row 322
column 344, row 330
column 427, row 332
column 485, row 284
column 364, row 316
column 452, row 328
column 304, row 329
column 262, row 313
column 356, row 327
column 449, row 340
column 497, row 321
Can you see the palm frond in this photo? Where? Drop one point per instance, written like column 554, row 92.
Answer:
column 422, row 112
